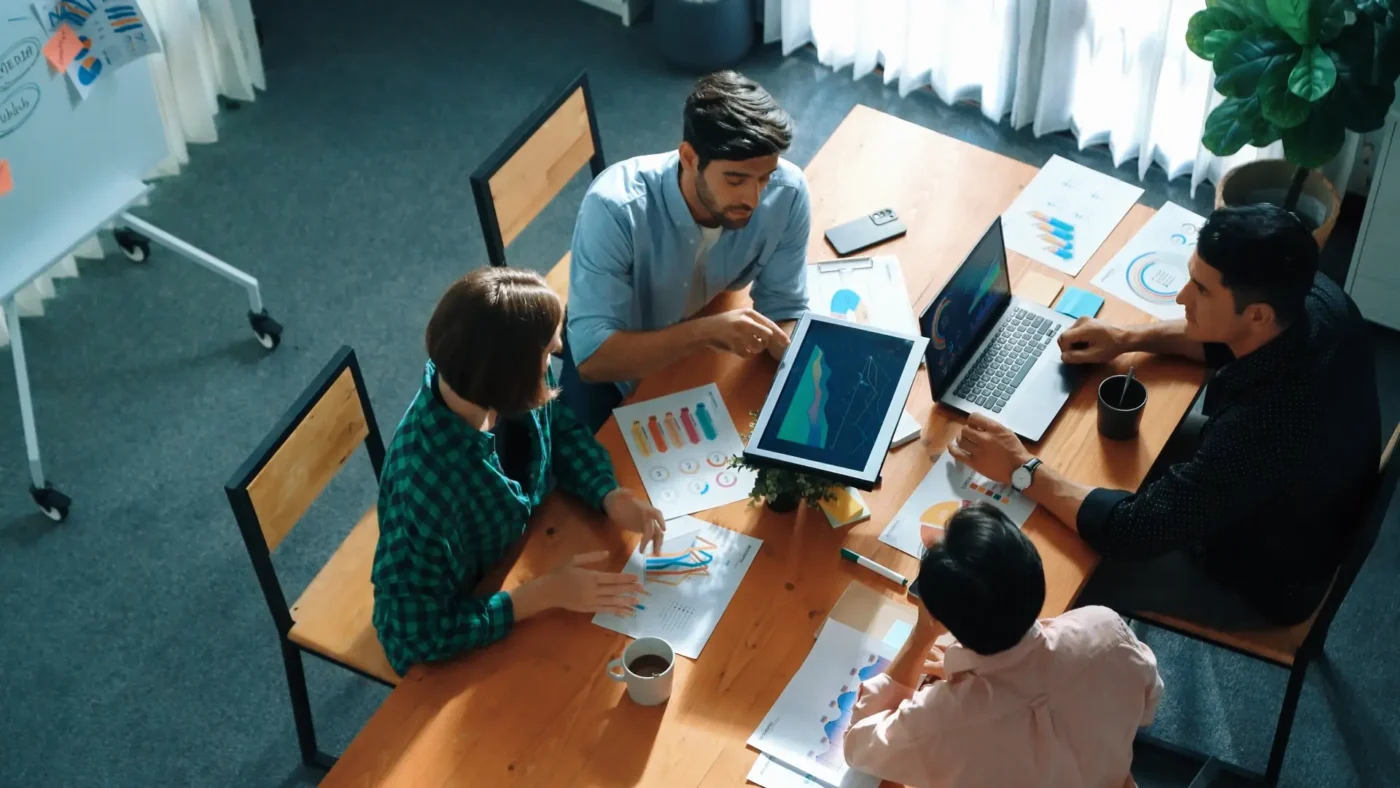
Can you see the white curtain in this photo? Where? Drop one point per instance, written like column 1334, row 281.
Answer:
column 209, row 48
column 1113, row 72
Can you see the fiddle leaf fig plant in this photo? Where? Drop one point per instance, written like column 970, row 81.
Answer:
column 1301, row 71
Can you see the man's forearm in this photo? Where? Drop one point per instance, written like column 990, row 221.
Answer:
column 1061, row 496
column 630, row 355
column 1167, row 337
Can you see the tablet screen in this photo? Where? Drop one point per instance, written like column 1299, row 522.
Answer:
column 837, row 396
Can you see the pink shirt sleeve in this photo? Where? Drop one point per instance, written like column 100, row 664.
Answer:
column 1146, row 664
column 891, row 728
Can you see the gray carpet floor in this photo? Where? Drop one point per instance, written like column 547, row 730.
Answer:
column 135, row 648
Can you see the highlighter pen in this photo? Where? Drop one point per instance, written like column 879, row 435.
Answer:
column 883, row 571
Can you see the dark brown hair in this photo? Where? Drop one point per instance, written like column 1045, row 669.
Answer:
column 488, row 336
column 732, row 118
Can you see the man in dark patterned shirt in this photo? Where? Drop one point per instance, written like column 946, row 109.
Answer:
column 1248, row 528
column 482, row 444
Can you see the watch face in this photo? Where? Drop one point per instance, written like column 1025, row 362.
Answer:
column 1020, row 479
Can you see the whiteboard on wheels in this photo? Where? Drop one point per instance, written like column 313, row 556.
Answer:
column 74, row 163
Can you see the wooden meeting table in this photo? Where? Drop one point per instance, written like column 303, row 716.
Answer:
column 536, row 708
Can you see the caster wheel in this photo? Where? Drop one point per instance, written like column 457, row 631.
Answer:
column 134, row 245
column 51, row 502
column 267, row 330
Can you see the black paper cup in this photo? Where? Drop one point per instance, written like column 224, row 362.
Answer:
column 1120, row 411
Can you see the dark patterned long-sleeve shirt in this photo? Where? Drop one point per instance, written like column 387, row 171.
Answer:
column 1272, row 494
column 448, row 512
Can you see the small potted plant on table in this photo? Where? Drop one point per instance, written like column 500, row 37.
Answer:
column 780, row 489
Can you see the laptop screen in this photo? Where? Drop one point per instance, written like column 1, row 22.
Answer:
column 958, row 319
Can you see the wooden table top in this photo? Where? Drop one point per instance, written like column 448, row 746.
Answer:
column 536, row 709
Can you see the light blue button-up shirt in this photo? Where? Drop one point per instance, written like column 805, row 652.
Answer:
column 635, row 244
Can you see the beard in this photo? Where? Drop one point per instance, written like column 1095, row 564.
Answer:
column 718, row 214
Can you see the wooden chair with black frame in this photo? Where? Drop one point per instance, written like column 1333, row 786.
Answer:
column 272, row 491
column 1291, row 648
column 532, row 166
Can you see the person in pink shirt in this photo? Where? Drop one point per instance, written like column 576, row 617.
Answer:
column 1014, row 701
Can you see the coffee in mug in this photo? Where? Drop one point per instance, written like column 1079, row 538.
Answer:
column 647, row 666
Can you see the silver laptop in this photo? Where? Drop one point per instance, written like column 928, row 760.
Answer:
column 991, row 352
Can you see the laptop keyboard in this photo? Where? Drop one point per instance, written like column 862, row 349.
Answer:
column 1000, row 369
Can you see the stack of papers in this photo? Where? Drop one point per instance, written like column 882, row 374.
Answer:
column 1065, row 214
column 804, row 734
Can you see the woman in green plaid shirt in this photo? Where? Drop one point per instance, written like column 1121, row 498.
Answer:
column 482, row 444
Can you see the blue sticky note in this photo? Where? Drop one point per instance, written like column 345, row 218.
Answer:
column 1078, row 303
column 899, row 632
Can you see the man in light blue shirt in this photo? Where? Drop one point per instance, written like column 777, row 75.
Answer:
column 659, row 236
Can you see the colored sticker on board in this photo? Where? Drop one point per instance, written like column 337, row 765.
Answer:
column 7, row 181
column 63, row 48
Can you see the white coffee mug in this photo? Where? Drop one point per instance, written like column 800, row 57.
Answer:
column 645, row 690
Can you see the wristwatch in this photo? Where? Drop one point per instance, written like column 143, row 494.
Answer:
column 1022, row 477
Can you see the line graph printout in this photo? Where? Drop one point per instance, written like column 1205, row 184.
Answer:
column 947, row 487
column 688, row 586
column 1151, row 269
column 1066, row 213
column 682, row 444
column 806, row 728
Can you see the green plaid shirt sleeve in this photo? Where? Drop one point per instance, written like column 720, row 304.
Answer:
column 420, row 611
column 581, row 464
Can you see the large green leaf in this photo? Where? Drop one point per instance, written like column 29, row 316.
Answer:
column 1279, row 105
column 1233, row 124
column 1314, row 75
column 1267, row 134
column 1316, row 142
column 1240, row 64
column 1211, row 29
column 1293, row 17
column 1249, row 11
column 1329, row 17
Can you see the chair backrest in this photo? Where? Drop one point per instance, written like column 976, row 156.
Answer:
column 307, row 447
column 535, row 163
column 1377, row 503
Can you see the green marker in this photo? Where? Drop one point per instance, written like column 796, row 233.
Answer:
column 879, row 569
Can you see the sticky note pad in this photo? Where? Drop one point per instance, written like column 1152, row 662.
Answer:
column 7, row 181
column 1079, row 303
column 846, row 508
column 62, row 47
column 1037, row 287
column 899, row 632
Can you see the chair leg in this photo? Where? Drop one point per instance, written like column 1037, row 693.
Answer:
column 1285, row 722
column 301, row 704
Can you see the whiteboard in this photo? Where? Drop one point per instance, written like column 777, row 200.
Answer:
column 75, row 164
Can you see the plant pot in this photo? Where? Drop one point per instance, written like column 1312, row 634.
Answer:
column 782, row 503
column 1267, row 180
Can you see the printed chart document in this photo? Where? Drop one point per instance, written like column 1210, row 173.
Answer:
column 771, row 773
column 688, row 586
column 867, row 290
column 806, row 728
column 682, row 444
column 1066, row 213
column 1151, row 269
column 110, row 34
column 948, row 487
